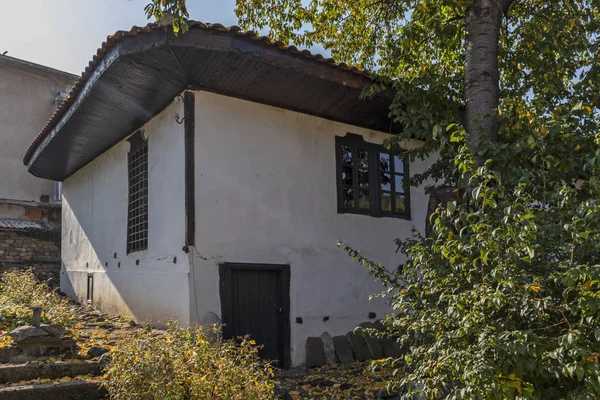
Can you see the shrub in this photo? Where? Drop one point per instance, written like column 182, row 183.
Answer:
column 503, row 300
column 20, row 291
column 185, row 364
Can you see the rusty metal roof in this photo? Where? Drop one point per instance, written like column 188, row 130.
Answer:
column 67, row 124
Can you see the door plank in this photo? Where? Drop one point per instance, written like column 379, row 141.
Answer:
column 255, row 301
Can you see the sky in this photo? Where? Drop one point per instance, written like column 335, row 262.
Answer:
column 64, row 34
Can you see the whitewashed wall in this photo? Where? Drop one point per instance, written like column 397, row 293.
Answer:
column 94, row 228
column 266, row 193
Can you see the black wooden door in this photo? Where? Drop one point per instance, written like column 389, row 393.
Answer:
column 255, row 302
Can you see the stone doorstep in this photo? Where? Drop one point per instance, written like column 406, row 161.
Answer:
column 75, row 390
column 11, row 373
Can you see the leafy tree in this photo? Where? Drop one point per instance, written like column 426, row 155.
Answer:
column 502, row 299
column 169, row 11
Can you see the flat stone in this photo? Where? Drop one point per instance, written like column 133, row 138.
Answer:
column 359, row 346
column 25, row 372
column 315, row 352
column 390, row 347
column 96, row 351
column 47, row 341
column 374, row 347
column 329, row 348
column 55, row 329
column 8, row 354
column 74, row 390
column 105, row 359
column 46, row 346
column 26, row 332
column 343, row 351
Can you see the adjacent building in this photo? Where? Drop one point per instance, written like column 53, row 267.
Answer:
column 29, row 206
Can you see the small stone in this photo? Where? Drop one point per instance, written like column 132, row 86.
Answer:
column 329, row 348
column 27, row 332
column 36, row 317
column 105, row 358
column 315, row 352
column 96, row 351
column 282, row 393
column 132, row 323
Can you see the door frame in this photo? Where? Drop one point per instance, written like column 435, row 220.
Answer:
column 225, row 270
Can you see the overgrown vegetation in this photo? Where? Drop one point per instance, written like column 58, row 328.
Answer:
column 186, row 364
column 20, row 291
column 502, row 302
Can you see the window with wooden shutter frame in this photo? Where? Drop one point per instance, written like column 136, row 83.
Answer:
column 371, row 180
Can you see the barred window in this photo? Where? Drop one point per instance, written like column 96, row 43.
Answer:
column 371, row 179
column 137, row 215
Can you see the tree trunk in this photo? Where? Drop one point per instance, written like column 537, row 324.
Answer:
column 483, row 22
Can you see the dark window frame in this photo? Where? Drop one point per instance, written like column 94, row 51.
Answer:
column 137, row 200
column 374, row 182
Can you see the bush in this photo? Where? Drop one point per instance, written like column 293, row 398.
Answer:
column 503, row 300
column 19, row 292
column 185, row 364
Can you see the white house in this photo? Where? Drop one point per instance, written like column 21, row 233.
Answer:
column 208, row 176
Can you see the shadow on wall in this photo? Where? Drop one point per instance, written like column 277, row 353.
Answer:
column 92, row 272
column 80, row 263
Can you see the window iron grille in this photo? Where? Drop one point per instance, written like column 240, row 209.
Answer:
column 137, row 215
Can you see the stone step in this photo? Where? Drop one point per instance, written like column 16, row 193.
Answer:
column 10, row 373
column 74, row 390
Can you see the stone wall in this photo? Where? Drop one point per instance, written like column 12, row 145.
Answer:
column 39, row 250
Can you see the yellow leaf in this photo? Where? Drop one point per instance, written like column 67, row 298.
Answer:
column 587, row 283
column 534, row 288
column 593, row 357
